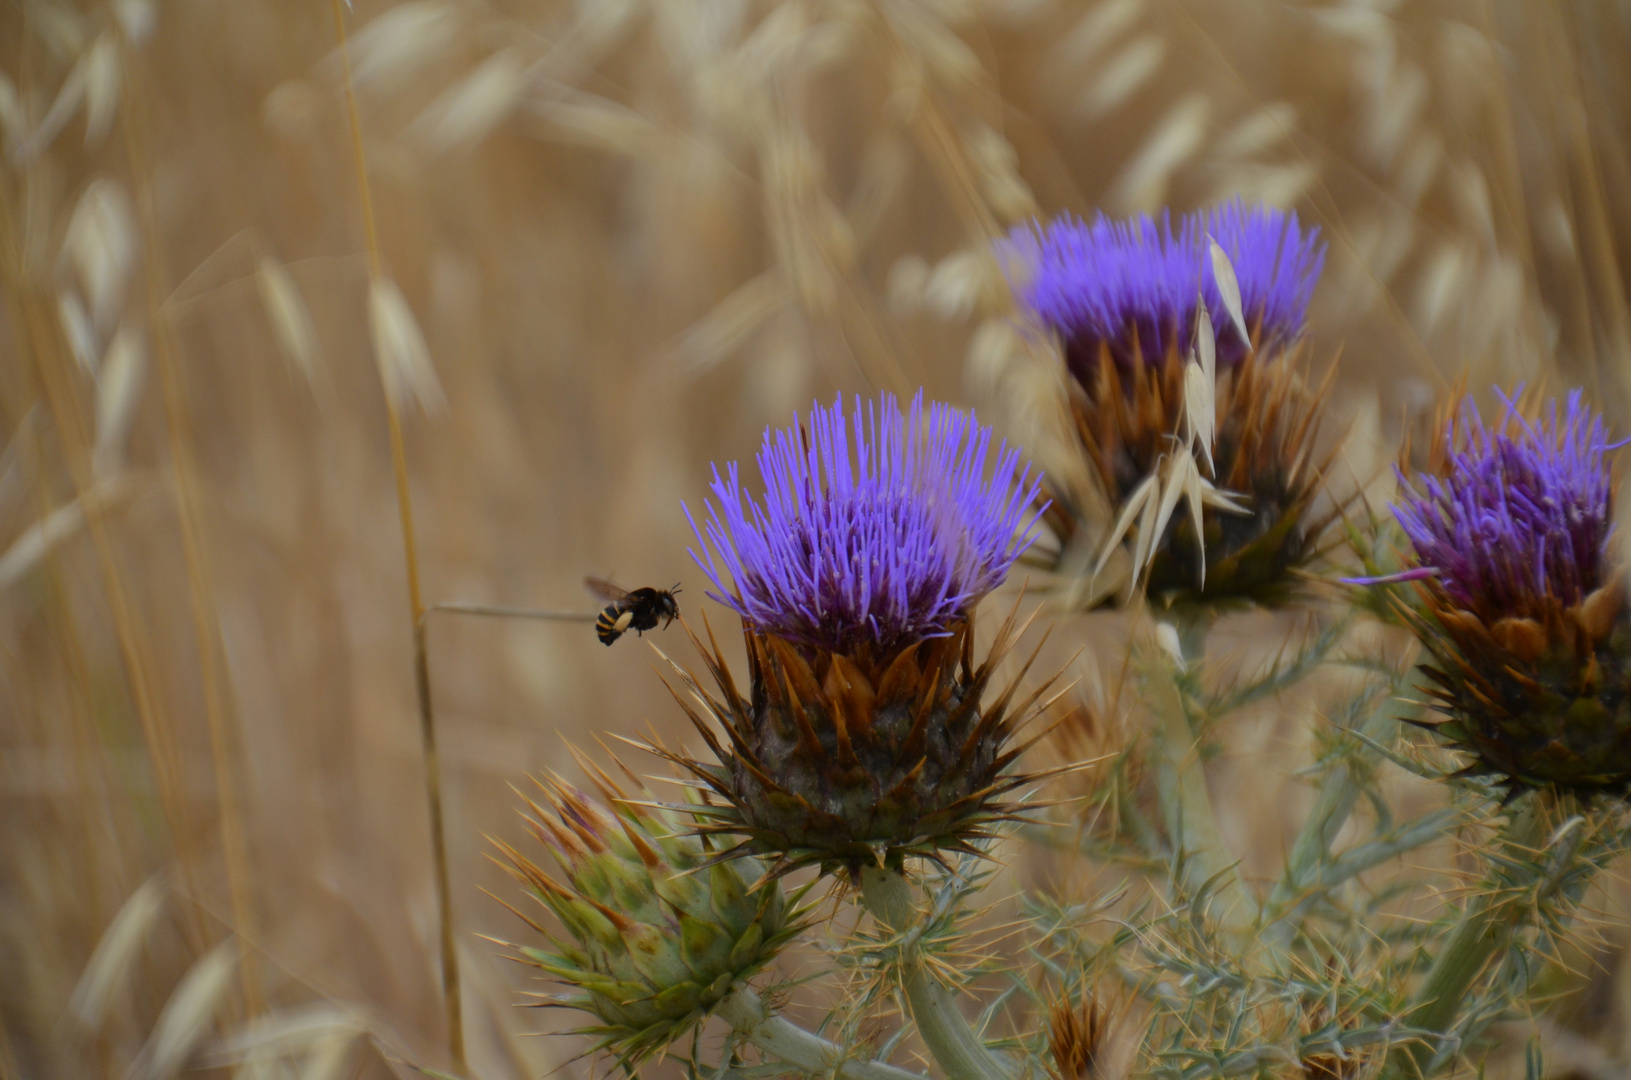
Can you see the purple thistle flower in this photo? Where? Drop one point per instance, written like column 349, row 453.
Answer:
column 1135, row 282
column 881, row 546
column 1519, row 519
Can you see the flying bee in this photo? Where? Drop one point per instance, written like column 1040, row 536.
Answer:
column 637, row 609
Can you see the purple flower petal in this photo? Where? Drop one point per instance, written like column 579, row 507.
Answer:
column 1121, row 282
column 884, row 538
column 1522, row 515
column 1417, row 574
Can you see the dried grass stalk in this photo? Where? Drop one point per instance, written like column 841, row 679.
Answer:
column 398, row 46
column 1177, row 137
column 471, row 108
column 1124, row 75
column 63, row 107
column 731, row 324
column 77, row 328
column 102, row 76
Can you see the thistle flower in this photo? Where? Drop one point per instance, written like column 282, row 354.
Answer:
column 890, row 547
column 656, row 932
column 1524, row 613
column 863, row 736
column 1131, row 288
column 1133, row 304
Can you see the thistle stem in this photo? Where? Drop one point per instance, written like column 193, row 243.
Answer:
column 1339, row 791
column 1186, row 801
column 1484, row 930
column 779, row 1037
column 956, row 1047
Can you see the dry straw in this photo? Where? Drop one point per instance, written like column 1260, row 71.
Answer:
column 404, row 364
column 203, row 606
column 686, row 220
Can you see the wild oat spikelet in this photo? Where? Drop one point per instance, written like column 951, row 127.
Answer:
column 1134, row 304
column 864, row 735
column 1523, row 610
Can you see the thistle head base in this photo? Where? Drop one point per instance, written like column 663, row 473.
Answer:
column 1267, row 424
column 1538, row 702
column 842, row 760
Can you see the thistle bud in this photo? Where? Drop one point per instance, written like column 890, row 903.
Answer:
column 865, row 735
column 657, row 931
column 1204, row 440
column 1324, row 1053
column 1077, row 1039
column 1523, row 612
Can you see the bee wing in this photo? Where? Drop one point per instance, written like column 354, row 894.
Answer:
column 604, row 589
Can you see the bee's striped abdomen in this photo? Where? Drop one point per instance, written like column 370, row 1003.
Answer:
column 611, row 624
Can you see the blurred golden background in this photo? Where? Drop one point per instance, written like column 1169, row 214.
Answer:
column 612, row 241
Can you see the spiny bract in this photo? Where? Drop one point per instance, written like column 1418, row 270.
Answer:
column 1123, row 298
column 841, row 761
column 1266, row 422
column 657, row 932
column 1525, row 613
column 863, row 737
column 1077, row 1034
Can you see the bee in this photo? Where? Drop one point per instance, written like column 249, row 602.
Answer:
column 637, row 609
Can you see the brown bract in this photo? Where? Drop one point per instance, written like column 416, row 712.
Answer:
column 1539, row 700
column 1267, row 420
column 1077, row 1035
column 849, row 760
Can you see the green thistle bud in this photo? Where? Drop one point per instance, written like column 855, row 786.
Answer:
column 658, row 929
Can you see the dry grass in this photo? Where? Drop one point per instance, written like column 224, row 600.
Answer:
column 615, row 240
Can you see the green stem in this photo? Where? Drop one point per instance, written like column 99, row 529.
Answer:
column 747, row 1013
column 1186, row 801
column 1339, row 791
column 954, row 1044
column 1356, row 860
column 1484, row 930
